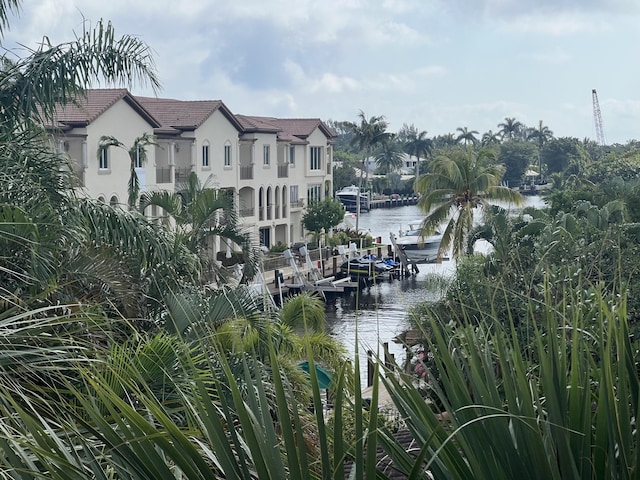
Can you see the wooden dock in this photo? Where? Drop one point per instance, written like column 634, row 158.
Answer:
column 320, row 272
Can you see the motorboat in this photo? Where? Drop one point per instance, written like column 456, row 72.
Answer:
column 348, row 197
column 368, row 266
column 417, row 247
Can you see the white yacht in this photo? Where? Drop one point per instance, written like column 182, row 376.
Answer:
column 419, row 249
column 348, row 195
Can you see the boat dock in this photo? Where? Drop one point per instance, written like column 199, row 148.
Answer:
column 319, row 270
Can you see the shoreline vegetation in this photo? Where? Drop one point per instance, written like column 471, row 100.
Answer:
column 120, row 361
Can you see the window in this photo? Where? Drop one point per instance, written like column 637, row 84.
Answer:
column 227, row 155
column 292, row 155
column 104, row 158
column 265, row 154
column 205, row 155
column 137, row 162
column 293, row 195
column 314, row 193
column 316, row 158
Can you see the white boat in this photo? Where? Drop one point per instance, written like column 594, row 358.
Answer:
column 348, row 195
column 417, row 248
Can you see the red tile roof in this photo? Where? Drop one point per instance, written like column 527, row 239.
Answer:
column 185, row 115
column 95, row 103
column 288, row 129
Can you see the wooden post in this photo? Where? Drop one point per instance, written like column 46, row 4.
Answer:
column 387, row 356
column 335, row 265
column 370, row 368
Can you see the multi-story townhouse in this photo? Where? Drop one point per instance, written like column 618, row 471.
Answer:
column 104, row 173
column 274, row 167
column 293, row 164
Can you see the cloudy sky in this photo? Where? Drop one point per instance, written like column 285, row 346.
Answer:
column 436, row 64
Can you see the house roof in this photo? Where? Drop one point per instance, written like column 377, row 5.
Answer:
column 293, row 130
column 184, row 115
column 94, row 103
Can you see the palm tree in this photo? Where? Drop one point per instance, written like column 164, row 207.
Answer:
column 388, row 156
column 510, row 128
column 418, row 145
column 466, row 136
column 55, row 75
column 366, row 136
column 541, row 135
column 137, row 157
column 490, row 138
column 457, row 184
column 201, row 213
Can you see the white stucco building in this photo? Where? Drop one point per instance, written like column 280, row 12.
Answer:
column 273, row 166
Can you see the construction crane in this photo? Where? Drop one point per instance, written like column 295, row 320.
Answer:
column 597, row 118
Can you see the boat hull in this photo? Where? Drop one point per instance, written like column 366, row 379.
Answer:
column 420, row 251
column 349, row 202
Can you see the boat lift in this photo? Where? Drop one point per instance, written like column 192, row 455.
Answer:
column 402, row 256
column 311, row 278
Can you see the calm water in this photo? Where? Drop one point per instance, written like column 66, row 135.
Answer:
column 380, row 312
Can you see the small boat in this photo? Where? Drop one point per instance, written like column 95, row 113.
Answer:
column 417, row 248
column 368, row 266
column 348, row 195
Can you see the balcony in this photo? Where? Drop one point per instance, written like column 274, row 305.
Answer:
column 297, row 204
column 182, row 174
column 247, row 212
column 246, row 172
column 283, row 170
column 163, row 175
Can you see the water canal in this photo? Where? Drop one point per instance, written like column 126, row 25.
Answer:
column 379, row 312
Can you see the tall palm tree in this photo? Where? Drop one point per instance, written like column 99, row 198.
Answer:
column 540, row 135
column 388, row 155
column 510, row 128
column 137, row 158
column 366, row 136
column 418, row 145
column 466, row 136
column 201, row 213
column 456, row 185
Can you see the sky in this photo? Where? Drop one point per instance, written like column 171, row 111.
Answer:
column 438, row 65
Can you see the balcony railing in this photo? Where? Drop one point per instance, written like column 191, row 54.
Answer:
column 182, row 174
column 283, row 170
column 246, row 172
column 163, row 175
column 297, row 204
column 247, row 212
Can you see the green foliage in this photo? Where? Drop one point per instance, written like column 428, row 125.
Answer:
column 344, row 176
column 516, row 157
column 325, row 214
column 558, row 154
